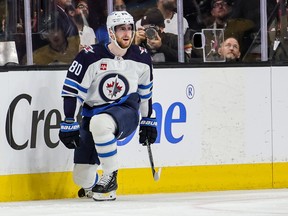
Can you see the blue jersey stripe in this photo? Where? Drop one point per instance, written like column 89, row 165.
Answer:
column 145, row 86
column 75, row 85
column 146, row 96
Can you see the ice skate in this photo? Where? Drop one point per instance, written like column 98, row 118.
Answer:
column 105, row 189
column 83, row 193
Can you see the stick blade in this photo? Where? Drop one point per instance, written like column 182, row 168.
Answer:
column 156, row 175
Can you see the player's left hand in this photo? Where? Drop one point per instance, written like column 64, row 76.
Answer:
column 148, row 131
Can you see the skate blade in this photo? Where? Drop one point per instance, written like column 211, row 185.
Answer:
column 110, row 196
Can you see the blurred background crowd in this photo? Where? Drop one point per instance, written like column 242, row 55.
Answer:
column 213, row 30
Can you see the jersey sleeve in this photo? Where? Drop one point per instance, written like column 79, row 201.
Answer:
column 77, row 82
column 145, row 87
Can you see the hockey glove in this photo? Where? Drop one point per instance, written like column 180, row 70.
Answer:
column 148, row 131
column 69, row 133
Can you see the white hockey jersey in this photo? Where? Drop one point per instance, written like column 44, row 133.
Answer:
column 100, row 80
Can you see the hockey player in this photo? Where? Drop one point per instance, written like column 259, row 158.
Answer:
column 113, row 83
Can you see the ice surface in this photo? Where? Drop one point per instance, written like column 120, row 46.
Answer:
column 225, row 203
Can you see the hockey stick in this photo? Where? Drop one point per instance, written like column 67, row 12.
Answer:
column 156, row 175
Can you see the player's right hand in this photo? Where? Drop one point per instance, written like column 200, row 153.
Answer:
column 69, row 134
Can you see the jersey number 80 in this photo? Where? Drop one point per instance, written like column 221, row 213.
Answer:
column 75, row 68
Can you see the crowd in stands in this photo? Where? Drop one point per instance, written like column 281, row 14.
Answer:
column 76, row 24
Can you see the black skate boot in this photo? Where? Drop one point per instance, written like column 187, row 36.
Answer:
column 105, row 189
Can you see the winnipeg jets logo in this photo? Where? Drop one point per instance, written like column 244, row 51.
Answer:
column 113, row 86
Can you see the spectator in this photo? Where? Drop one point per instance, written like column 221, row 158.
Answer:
column 168, row 9
column 230, row 49
column 79, row 16
column 60, row 50
column 83, row 7
column 62, row 18
column 250, row 12
column 87, row 34
column 119, row 5
column 162, row 46
column 223, row 12
column 101, row 30
column 220, row 11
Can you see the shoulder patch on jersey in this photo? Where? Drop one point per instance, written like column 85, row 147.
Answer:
column 88, row 49
column 142, row 50
column 103, row 66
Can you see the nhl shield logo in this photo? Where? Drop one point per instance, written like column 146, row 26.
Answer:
column 113, row 86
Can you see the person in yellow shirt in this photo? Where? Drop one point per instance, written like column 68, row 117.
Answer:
column 60, row 50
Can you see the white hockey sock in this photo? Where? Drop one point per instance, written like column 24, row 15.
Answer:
column 85, row 175
column 103, row 128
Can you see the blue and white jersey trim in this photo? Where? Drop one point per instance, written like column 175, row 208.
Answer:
column 75, row 85
column 145, row 86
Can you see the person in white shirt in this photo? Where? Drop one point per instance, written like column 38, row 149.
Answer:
column 87, row 35
column 168, row 8
column 80, row 15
